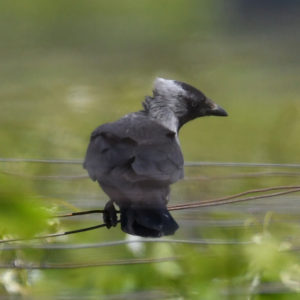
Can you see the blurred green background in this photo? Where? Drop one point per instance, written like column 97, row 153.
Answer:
column 68, row 66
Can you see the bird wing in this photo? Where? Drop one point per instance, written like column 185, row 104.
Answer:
column 134, row 148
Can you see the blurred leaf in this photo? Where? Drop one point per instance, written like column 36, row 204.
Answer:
column 20, row 211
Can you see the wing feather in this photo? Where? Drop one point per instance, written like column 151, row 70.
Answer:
column 134, row 148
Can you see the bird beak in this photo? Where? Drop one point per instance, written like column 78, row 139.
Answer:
column 217, row 110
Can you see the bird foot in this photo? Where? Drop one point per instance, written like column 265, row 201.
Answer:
column 110, row 215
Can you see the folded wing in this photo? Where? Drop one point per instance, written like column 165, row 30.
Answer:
column 134, row 149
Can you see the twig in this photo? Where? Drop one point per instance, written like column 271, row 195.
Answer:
column 254, row 191
column 214, row 202
column 53, row 234
column 205, row 203
column 227, row 200
column 79, row 213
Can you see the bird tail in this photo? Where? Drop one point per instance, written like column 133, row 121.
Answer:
column 147, row 221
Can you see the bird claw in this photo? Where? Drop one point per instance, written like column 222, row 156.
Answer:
column 110, row 215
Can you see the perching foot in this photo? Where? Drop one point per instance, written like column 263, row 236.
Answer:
column 110, row 215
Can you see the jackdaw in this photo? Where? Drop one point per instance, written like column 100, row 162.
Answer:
column 136, row 158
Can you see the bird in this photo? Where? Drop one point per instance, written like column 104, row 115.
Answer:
column 136, row 158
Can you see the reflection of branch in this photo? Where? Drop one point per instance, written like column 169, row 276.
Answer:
column 121, row 262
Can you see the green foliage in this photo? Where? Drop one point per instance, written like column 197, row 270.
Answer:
column 20, row 211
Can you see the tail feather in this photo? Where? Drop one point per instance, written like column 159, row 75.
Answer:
column 148, row 221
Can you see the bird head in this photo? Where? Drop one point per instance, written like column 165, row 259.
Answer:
column 184, row 100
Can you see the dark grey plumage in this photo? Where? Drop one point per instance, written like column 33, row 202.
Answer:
column 136, row 158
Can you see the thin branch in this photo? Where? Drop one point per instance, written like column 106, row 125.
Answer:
column 227, row 200
column 214, row 202
column 80, row 213
column 122, row 262
column 254, row 191
column 53, row 234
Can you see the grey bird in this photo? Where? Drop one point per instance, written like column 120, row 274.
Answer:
column 138, row 157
